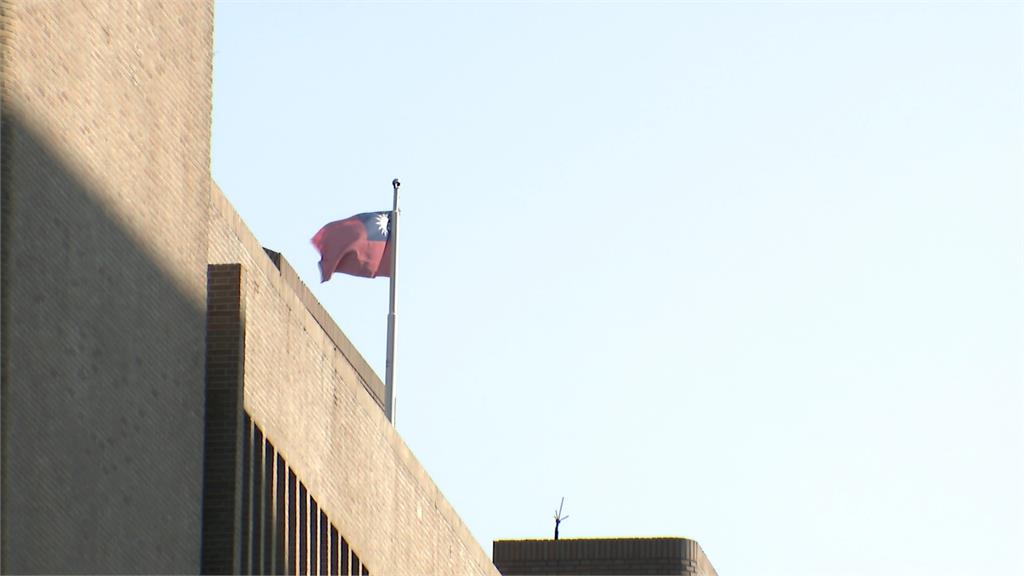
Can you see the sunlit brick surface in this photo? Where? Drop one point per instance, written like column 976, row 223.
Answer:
column 317, row 401
column 109, row 220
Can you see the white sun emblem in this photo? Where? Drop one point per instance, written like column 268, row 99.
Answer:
column 382, row 224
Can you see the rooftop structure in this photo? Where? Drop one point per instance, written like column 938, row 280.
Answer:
column 621, row 556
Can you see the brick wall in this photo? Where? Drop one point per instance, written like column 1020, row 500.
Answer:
column 223, row 452
column 258, row 516
column 105, row 197
column 108, row 223
column 675, row 556
column 318, row 403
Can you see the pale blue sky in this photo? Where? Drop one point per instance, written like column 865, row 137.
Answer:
column 744, row 272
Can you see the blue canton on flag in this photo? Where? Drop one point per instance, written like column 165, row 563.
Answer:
column 378, row 224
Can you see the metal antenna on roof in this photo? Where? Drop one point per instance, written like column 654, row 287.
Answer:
column 559, row 517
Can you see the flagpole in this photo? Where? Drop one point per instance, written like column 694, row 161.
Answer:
column 389, row 376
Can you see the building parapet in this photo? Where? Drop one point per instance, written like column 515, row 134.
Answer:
column 679, row 556
column 274, row 264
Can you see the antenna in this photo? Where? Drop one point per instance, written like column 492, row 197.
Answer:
column 559, row 517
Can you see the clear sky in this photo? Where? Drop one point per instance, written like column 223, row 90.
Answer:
column 744, row 272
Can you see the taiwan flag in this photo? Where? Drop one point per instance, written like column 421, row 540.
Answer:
column 358, row 246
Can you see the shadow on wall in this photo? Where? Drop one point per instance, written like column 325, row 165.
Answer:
column 284, row 531
column 102, row 379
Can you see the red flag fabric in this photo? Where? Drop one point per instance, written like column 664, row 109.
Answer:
column 357, row 245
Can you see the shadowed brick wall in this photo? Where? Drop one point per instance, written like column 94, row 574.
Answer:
column 107, row 223
column 222, row 466
column 669, row 556
column 105, row 198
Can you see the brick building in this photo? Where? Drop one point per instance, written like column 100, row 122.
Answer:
column 622, row 556
column 173, row 399
column 143, row 327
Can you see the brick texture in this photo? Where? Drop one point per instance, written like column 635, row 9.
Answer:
column 317, row 401
column 668, row 556
column 125, row 358
column 222, row 457
column 105, row 207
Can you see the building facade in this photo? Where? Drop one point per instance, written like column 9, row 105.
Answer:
column 621, row 556
column 172, row 397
